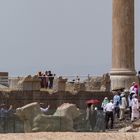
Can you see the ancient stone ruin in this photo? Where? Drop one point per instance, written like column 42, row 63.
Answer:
column 97, row 83
column 35, row 121
column 32, row 83
column 28, row 83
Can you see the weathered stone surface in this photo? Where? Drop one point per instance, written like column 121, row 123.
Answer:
column 74, row 88
column 67, row 110
column 27, row 113
column 93, row 83
column 126, row 129
column 13, row 83
column 29, row 83
column 59, row 84
column 105, row 83
column 123, row 66
column 136, row 124
column 35, row 120
column 135, row 127
column 101, row 83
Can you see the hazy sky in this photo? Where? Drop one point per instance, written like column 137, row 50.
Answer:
column 69, row 37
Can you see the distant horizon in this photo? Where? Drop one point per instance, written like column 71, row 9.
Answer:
column 66, row 37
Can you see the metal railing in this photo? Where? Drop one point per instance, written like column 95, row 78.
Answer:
column 12, row 124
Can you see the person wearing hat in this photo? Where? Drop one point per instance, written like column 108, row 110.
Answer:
column 104, row 103
column 130, row 101
column 135, row 108
column 122, row 105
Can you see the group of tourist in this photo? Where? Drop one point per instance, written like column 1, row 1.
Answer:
column 123, row 102
column 46, row 79
column 117, row 107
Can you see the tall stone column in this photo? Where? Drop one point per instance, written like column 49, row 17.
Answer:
column 123, row 66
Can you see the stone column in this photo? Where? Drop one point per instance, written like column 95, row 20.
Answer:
column 123, row 66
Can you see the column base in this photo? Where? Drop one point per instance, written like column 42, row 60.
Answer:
column 122, row 78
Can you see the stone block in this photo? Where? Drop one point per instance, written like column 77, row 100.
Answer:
column 60, row 84
column 29, row 83
column 35, row 120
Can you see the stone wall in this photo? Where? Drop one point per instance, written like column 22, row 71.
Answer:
column 101, row 83
column 25, row 83
column 20, row 98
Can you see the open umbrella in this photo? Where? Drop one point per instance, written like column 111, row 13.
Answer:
column 92, row 101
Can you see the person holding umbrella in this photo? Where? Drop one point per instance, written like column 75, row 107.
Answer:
column 91, row 113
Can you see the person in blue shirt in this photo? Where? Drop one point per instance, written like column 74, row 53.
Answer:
column 116, row 102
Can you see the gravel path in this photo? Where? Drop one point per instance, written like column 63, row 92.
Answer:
column 70, row 136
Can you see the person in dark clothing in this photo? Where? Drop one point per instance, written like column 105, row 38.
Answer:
column 139, row 77
column 91, row 114
column 46, row 79
column 51, row 78
column 4, row 116
column 100, row 121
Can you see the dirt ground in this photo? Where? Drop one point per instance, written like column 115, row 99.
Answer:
column 70, row 136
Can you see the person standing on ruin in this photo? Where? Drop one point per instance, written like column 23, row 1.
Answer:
column 77, row 80
column 139, row 83
column 122, row 105
column 4, row 116
column 135, row 108
column 46, row 79
column 130, row 102
column 139, row 77
column 40, row 76
column 88, row 115
column 132, row 87
column 136, row 89
column 91, row 114
column 104, row 103
column 51, row 78
column 116, row 101
column 109, row 114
